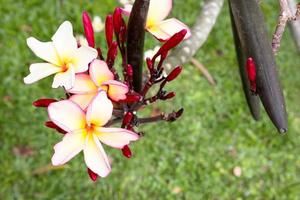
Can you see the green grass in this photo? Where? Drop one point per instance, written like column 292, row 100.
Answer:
column 190, row 159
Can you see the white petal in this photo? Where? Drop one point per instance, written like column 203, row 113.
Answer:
column 100, row 72
column 69, row 147
column 67, row 115
column 44, row 50
column 158, row 11
column 64, row 79
column 82, row 57
column 83, row 100
column 100, row 110
column 64, row 41
column 83, row 84
column 95, row 156
column 116, row 137
column 39, row 71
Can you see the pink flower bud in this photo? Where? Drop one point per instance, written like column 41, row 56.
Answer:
column 43, row 102
column 88, row 29
column 109, row 30
column 126, row 151
column 51, row 124
column 92, row 174
column 174, row 73
column 251, row 72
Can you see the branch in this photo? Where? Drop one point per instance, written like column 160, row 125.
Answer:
column 285, row 15
column 203, row 26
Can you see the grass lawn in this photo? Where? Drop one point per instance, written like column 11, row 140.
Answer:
column 193, row 158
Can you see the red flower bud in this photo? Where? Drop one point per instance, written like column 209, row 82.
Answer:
column 149, row 64
column 168, row 96
column 109, row 29
column 131, row 98
column 174, row 73
column 92, row 174
column 251, row 72
column 129, row 70
column 123, row 31
column 179, row 112
column 51, row 124
column 126, row 151
column 171, row 43
column 100, row 53
column 117, row 20
column 88, row 29
column 112, row 54
column 43, row 102
column 127, row 118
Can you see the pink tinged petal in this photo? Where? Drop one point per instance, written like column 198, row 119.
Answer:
column 100, row 110
column 82, row 57
column 158, row 11
column 116, row 137
column 67, row 115
column 64, row 79
column 100, row 72
column 39, row 71
column 44, row 50
column 64, row 41
column 127, row 9
column 116, row 90
column 167, row 28
column 83, row 100
column 95, row 156
column 83, row 84
column 69, row 147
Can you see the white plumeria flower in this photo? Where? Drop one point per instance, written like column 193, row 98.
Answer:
column 81, row 40
column 156, row 24
column 86, row 132
column 97, row 24
column 63, row 57
column 151, row 52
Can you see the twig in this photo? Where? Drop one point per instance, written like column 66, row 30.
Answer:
column 284, row 16
column 204, row 71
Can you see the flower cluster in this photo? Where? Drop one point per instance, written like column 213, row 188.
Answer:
column 96, row 96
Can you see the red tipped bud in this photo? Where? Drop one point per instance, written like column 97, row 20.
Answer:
column 112, row 54
column 126, row 151
column 170, row 95
column 127, row 118
column 251, row 72
column 92, row 174
column 117, row 20
column 51, row 124
column 88, row 29
column 109, row 29
column 43, row 102
column 174, row 73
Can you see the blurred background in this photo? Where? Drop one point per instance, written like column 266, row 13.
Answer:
column 214, row 151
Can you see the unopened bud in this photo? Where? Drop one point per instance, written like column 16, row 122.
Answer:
column 92, row 174
column 170, row 95
column 112, row 54
column 88, row 29
column 126, row 151
column 109, row 29
column 174, row 73
column 117, row 20
column 43, row 102
column 251, row 72
column 127, row 119
column 131, row 98
column 52, row 125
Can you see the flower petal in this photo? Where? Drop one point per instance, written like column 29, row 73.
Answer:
column 116, row 137
column 116, row 90
column 67, row 115
column 83, row 84
column 127, row 9
column 82, row 57
column 100, row 72
column 64, row 41
column 100, row 110
column 158, row 11
column 83, row 100
column 44, row 50
column 167, row 28
column 39, row 71
column 69, row 147
column 64, row 79
column 95, row 156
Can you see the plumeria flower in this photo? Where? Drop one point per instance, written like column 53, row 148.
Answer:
column 156, row 25
column 63, row 58
column 97, row 24
column 100, row 78
column 85, row 132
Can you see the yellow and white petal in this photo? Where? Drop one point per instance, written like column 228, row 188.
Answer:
column 39, row 71
column 116, row 137
column 83, row 100
column 69, row 147
column 158, row 11
column 95, row 156
column 116, row 90
column 83, row 84
column 67, row 115
column 64, row 41
column 44, row 50
column 100, row 72
column 82, row 57
column 100, row 110
column 64, row 79
column 167, row 28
